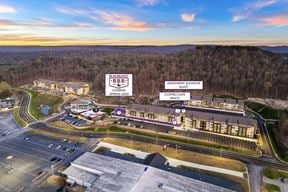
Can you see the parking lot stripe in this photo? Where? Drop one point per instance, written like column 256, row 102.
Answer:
column 23, row 153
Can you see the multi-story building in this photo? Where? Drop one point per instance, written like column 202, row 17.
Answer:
column 184, row 119
column 232, row 105
column 77, row 88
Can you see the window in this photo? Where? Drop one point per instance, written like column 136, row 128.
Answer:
column 193, row 123
column 203, row 124
column 151, row 116
column 242, row 132
column 133, row 113
column 170, row 119
column 217, row 127
column 142, row 114
column 229, row 129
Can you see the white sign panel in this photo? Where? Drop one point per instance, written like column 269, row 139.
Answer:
column 174, row 96
column 183, row 84
column 118, row 85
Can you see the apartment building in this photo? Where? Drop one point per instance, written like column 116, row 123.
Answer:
column 77, row 88
column 232, row 105
column 184, row 119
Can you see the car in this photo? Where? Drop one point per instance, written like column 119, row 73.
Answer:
column 64, row 140
column 53, row 159
column 26, row 138
column 58, row 147
column 8, row 133
column 64, row 148
column 51, row 145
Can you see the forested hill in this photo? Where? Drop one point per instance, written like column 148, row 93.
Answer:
column 240, row 71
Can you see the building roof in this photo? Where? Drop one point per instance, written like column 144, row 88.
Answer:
column 153, row 109
column 155, row 160
column 74, row 85
column 116, row 175
column 220, row 117
column 209, row 116
column 217, row 99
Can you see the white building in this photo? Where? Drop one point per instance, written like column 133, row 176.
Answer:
column 107, row 174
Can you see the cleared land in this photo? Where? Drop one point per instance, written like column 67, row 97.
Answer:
column 242, row 181
column 62, row 125
column 38, row 99
column 58, row 136
column 270, row 188
column 180, row 154
column 176, row 138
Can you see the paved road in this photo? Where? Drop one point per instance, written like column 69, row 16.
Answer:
column 24, row 106
column 263, row 160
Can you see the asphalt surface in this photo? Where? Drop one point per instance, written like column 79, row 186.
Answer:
column 197, row 135
column 24, row 105
column 22, row 161
column 263, row 160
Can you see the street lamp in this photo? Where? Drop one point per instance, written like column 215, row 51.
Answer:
column 177, row 147
column 9, row 158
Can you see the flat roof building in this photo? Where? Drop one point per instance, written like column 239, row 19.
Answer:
column 107, row 174
column 77, row 88
column 189, row 119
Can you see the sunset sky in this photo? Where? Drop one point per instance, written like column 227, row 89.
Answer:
column 143, row 22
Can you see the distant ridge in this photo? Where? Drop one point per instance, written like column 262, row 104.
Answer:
column 107, row 48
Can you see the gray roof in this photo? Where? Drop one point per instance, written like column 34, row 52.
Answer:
column 153, row 109
column 74, row 85
column 195, row 114
column 217, row 99
column 108, row 174
column 220, row 117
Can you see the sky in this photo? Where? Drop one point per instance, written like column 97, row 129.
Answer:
column 143, row 22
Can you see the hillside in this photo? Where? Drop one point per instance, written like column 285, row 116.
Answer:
column 239, row 71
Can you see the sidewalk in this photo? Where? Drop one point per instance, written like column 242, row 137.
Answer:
column 172, row 162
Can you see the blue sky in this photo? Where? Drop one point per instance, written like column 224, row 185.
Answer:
column 143, row 22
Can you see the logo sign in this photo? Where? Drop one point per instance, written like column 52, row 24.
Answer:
column 183, row 84
column 118, row 81
column 118, row 85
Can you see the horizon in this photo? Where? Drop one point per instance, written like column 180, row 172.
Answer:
column 143, row 23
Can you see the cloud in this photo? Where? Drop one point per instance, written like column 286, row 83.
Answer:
column 186, row 17
column 7, row 9
column 112, row 20
column 276, row 20
column 6, row 23
column 121, row 21
column 249, row 10
column 148, row 2
column 43, row 23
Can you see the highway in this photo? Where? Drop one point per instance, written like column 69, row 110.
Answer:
column 265, row 160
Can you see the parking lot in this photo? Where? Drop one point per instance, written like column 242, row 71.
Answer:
column 8, row 125
column 27, row 157
column 72, row 120
column 199, row 135
column 144, row 125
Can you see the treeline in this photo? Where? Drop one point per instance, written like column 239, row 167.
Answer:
column 237, row 71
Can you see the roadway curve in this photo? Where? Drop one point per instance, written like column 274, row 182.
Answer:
column 262, row 161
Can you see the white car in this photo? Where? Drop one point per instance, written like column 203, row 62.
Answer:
column 51, row 145
column 59, row 146
column 64, row 140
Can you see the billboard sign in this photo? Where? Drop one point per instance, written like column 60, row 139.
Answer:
column 118, row 85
